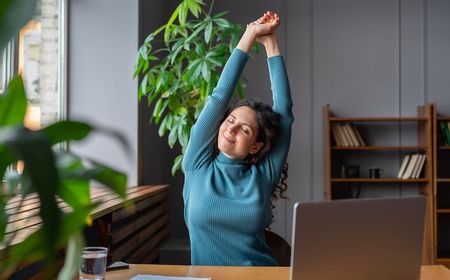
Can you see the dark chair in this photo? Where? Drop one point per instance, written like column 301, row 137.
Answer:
column 280, row 248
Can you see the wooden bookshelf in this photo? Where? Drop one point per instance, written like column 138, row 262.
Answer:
column 336, row 156
column 441, row 185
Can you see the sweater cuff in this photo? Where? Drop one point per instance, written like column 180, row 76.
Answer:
column 239, row 54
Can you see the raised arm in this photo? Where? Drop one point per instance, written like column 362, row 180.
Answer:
column 282, row 101
column 204, row 132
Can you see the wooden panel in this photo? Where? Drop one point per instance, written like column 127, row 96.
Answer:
column 137, row 239
column 138, row 206
column 137, row 223
column 147, row 252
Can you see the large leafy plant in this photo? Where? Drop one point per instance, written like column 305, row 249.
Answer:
column 53, row 174
column 179, row 74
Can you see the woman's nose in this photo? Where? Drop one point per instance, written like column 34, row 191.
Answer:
column 232, row 129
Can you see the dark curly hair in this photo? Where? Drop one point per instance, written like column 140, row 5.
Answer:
column 268, row 133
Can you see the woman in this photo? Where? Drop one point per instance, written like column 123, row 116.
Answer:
column 227, row 194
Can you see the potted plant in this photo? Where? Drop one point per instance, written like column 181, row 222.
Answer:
column 51, row 173
column 178, row 78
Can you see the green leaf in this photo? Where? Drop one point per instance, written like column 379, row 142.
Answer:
column 194, row 7
column 6, row 158
column 66, row 130
column 208, row 32
column 181, row 111
column 144, row 52
column 156, row 32
column 200, row 49
column 177, row 164
column 161, row 111
column 13, row 15
column 3, row 217
column 182, row 139
column 13, row 104
column 222, row 22
column 163, row 127
column 221, row 14
column 72, row 259
column 205, row 71
column 143, row 87
column 172, row 138
column 182, row 15
column 35, row 150
column 215, row 61
column 169, row 24
column 116, row 181
column 138, row 66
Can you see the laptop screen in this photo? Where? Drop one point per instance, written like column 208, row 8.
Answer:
column 358, row 239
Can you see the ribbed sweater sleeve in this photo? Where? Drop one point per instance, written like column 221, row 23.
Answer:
column 282, row 104
column 204, row 131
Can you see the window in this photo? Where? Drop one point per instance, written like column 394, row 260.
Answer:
column 38, row 54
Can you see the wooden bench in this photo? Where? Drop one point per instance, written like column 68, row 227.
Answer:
column 132, row 234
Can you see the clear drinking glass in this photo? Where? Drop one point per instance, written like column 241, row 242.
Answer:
column 93, row 263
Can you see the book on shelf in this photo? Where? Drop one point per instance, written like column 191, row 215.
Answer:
column 403, row 166
column 346, row 135
column 336, row 135
column 358, row 136
column 410, row 167
column 420, row 168
column 353, row 138
column 444, row 128
column 348, row 138
column 447, row 130
column 416, row 167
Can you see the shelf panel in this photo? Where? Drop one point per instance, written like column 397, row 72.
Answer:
column 443, row 211
column 441, row 118
column 444, row 147
column 444, row 261
column 443, row 180
column 376, row 119
column 378, row 180
column 381, row 148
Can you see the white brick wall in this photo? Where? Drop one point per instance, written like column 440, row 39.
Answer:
column 49, row 62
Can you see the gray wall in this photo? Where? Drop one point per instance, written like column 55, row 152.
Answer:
column 103, row 38
column 364, row 57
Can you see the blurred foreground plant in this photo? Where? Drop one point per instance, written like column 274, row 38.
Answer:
column 53, row 174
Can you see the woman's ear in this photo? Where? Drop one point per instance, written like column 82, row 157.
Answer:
column 256, row 147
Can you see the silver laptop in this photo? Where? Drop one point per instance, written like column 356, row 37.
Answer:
column 359, row 239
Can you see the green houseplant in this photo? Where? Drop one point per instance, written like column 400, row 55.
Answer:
column 51, row 173
column 178, row 77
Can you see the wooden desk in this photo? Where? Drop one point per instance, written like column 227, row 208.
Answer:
column 429, row 272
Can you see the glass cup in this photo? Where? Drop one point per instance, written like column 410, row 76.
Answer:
column 93, row 263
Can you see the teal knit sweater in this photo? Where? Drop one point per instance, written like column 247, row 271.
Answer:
column 227, row 202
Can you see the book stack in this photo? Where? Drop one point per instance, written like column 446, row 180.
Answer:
column 346, row 135
column 412, row 166
column 444, row 131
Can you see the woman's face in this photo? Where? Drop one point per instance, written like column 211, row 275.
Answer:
column 238, row 134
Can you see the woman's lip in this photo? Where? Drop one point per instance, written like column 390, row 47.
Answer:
column 228, row 139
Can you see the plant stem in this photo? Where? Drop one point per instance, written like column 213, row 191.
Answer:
column 210, row 8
